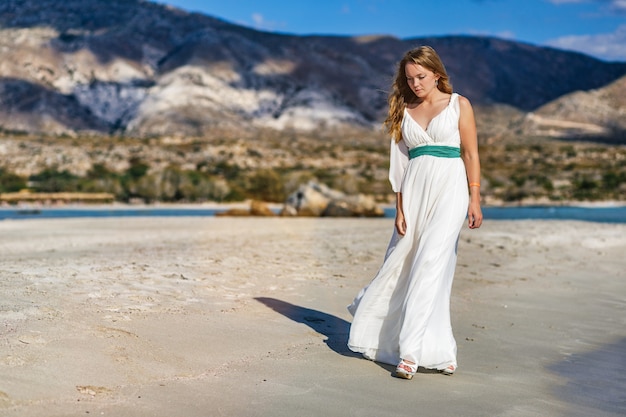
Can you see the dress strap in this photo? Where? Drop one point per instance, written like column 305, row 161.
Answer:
column 454, row 101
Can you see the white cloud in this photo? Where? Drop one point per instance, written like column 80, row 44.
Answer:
column 506, row 34
column 566, row 1
column 618, row 6
column 259, row 20
column 259, row 23
column 607, row 46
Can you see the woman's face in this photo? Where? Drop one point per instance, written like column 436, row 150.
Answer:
column 420, row 80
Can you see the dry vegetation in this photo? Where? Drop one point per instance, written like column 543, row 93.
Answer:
column 270, row 165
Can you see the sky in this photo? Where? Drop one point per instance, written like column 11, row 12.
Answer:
column 593, row 27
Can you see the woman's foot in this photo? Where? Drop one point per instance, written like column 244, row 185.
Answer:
column 406, row 369
column 449, row 370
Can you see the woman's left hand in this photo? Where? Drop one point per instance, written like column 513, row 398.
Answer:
column 474, row 216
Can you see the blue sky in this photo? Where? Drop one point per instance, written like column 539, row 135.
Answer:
column 594, row 27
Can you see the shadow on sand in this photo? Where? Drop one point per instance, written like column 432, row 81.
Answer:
column 335, row 329
column 596, row 379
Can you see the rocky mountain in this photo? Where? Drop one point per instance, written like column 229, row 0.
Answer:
column 132, row 67
column 599, row 114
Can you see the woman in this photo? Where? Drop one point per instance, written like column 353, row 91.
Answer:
column 403, row 316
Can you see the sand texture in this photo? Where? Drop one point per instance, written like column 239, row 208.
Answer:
column 216, row 316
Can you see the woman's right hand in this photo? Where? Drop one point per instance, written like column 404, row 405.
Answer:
column 400, row 223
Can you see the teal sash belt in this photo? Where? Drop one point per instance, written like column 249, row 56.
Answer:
column 435, row 150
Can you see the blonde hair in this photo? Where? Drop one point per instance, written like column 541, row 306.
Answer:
column 401, row 94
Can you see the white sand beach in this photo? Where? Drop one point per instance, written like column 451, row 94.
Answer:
column 218, row 316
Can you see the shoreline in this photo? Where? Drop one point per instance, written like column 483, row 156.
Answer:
column 606, row 212
column 277, row 206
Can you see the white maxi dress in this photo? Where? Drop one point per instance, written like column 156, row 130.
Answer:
column 404, row 312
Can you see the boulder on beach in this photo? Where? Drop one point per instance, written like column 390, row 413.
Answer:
column 257, row 208
column 318, row 200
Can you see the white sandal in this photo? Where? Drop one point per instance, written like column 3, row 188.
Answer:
column 449, row 370
column 406, row 370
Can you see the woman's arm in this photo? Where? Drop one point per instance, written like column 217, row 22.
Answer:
column 469, row 146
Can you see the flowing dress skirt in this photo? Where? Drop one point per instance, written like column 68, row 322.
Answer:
column 405, row 310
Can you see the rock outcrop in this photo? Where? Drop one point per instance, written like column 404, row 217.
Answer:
column 318, row 200
column 257, row 208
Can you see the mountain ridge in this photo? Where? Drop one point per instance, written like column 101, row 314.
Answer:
column 138, row 68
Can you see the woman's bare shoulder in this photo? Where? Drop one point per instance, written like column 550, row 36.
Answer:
column 464, row 103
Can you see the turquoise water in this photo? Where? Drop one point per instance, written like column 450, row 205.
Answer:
column 591, row 214
column 615, row 214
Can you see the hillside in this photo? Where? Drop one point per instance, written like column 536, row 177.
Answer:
column 596, row 115
column 136, row 68
column 152, row 103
